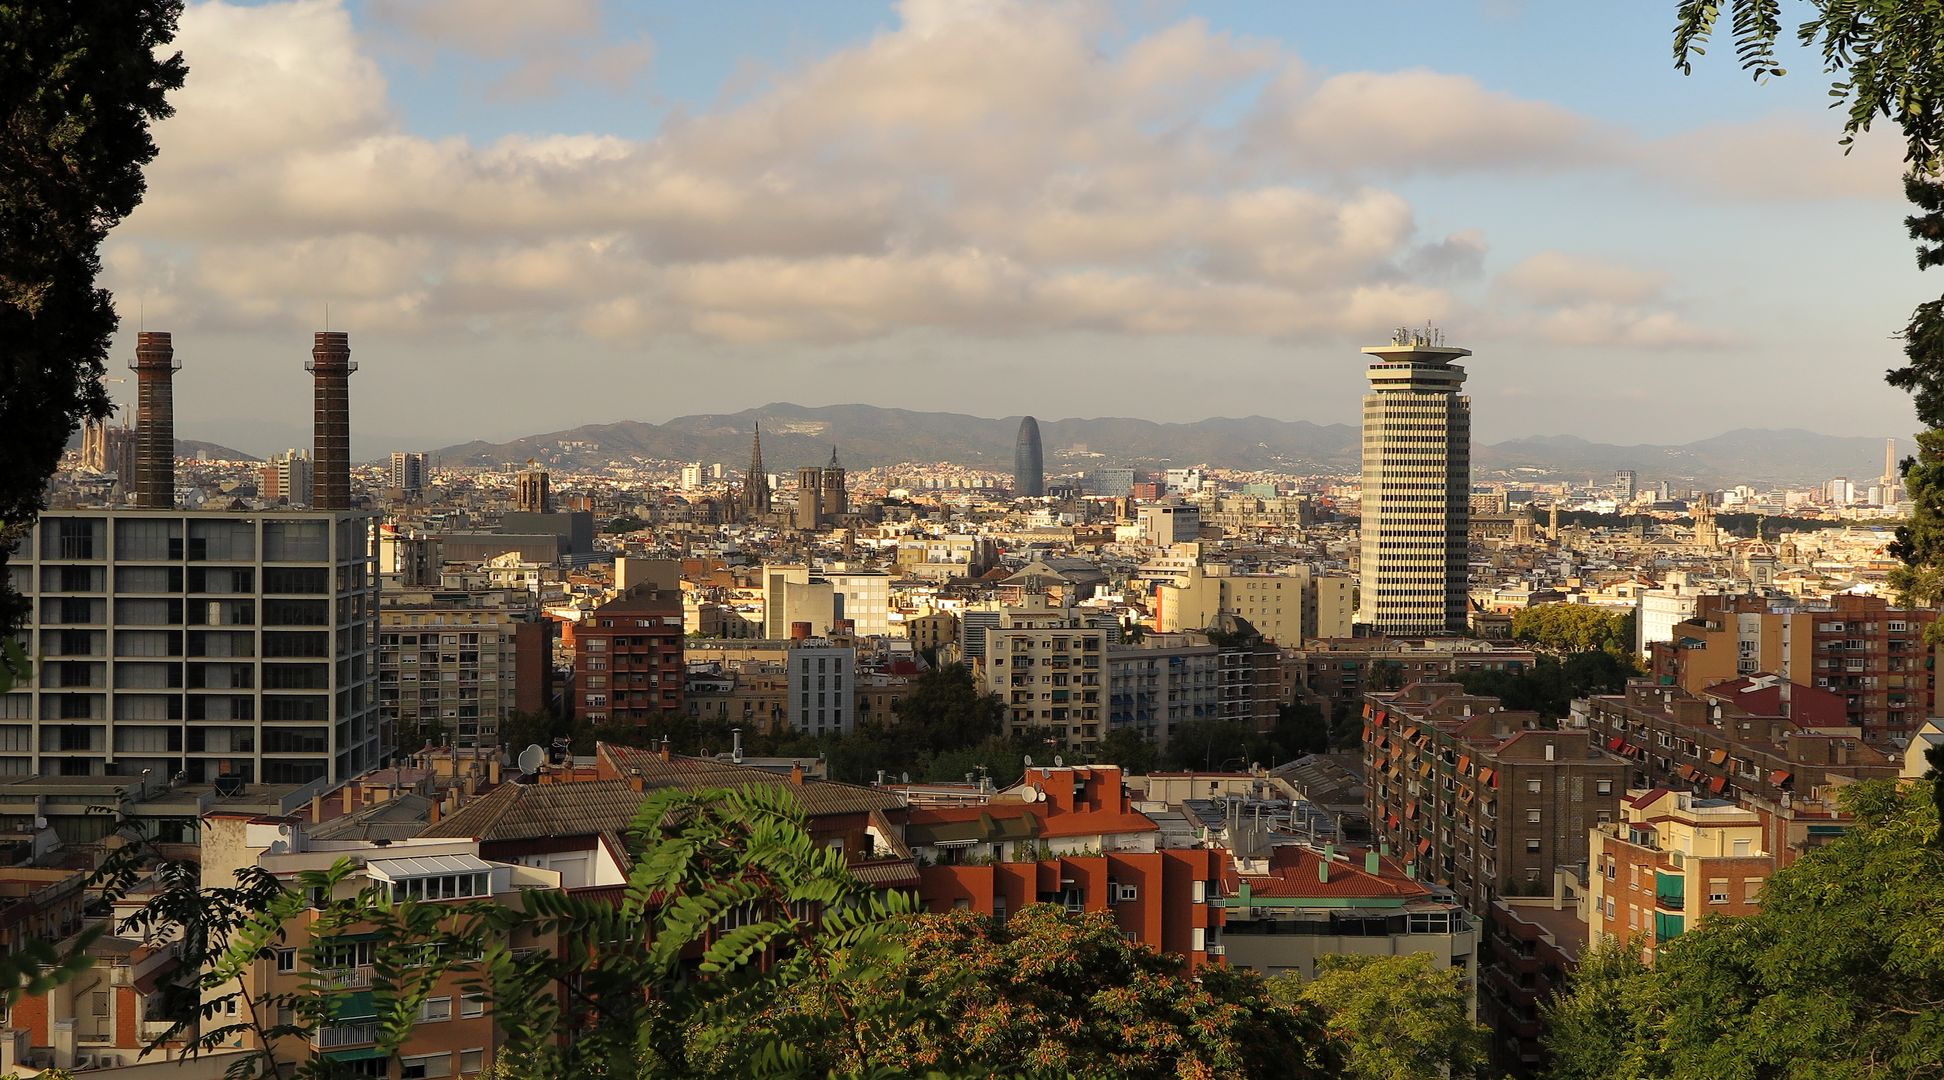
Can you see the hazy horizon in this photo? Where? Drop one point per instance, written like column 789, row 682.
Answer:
column 535, row 216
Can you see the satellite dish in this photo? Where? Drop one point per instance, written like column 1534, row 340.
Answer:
column 1029, row 761
column 1058, row 761
column 531, row 759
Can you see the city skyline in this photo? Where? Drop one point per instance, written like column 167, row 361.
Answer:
column 581, row 183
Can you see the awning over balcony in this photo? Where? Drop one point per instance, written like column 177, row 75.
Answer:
column 1616, row 743
column 1716, row 757
column 1780, row 777
column 1715, row 785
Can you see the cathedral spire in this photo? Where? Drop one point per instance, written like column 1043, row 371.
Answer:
column 756, row 489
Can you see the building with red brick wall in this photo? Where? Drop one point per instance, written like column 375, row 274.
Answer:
column 628, row 665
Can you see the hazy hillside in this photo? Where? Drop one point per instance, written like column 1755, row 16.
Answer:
column 865, row 435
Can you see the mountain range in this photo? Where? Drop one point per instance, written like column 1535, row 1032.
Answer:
column 866, row 435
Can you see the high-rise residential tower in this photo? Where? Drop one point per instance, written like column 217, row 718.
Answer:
column 407, row 473
column 1416, row 487
column 1029, row 463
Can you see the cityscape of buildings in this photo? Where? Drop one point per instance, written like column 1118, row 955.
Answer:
column 279, row 665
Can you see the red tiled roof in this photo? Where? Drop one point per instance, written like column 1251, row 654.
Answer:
column 1294, row 876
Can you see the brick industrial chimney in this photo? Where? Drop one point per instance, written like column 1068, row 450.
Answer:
column 331, row 367
column 155, row 368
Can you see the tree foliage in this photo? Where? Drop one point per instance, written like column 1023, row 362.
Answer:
column 1393, row 1017
column 1564, row 629
column 1549, row 686
column 1045, row 993
column 1839, row 976
column 1883, row 55
column 79, row 86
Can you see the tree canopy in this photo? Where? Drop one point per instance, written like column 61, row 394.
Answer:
column 80, row 84
column 1839, row 975
column 1564, row 629
column 1393, row 1017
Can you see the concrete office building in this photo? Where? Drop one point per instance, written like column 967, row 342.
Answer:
column 235, row 646
column 212, row 644
column 822, row 682
column 1416, row 488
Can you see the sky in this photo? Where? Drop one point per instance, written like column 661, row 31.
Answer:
column 535, row 214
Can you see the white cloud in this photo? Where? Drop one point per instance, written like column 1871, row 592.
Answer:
column 1556, row 277
column 540, row 44
column 987, row 168
column 1419, row 121
column 1566, row 299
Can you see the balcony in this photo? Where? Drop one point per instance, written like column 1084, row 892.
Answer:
column 337, row 978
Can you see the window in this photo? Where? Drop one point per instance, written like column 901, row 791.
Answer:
column 1532, row 787
column 426, row 1065
column 435, row 1010
column 1532, row 843
column 472, row 1005
column 1532, row 817
column 1718, row 890
column 472, row 1061
column 1200, row 893
column 1609, row 907
column 286, row 960
column 1603, row 787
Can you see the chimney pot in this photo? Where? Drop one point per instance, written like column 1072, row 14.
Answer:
column 636, row 781
column 796, row 773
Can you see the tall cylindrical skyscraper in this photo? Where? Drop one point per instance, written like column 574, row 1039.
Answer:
column 1413, row 575
column 155, row 367
column 1029, row 464
column 331, row 367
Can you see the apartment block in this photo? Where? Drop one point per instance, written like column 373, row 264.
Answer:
column 1670, row 860
column 1483, row 799
column 448, row 659
column 1051, row 674
column 1858, row 646
column 1759, row 737
column 240, row 646
column 1289, row 607
column 1070, row 836
column 628, row 666
column 1340, row 671
column 1162, row 681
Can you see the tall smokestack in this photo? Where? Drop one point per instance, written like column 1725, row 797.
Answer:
column 331, row 367
column 155, row 368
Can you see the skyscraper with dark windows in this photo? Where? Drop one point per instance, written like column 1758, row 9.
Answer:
column 1029, row 463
